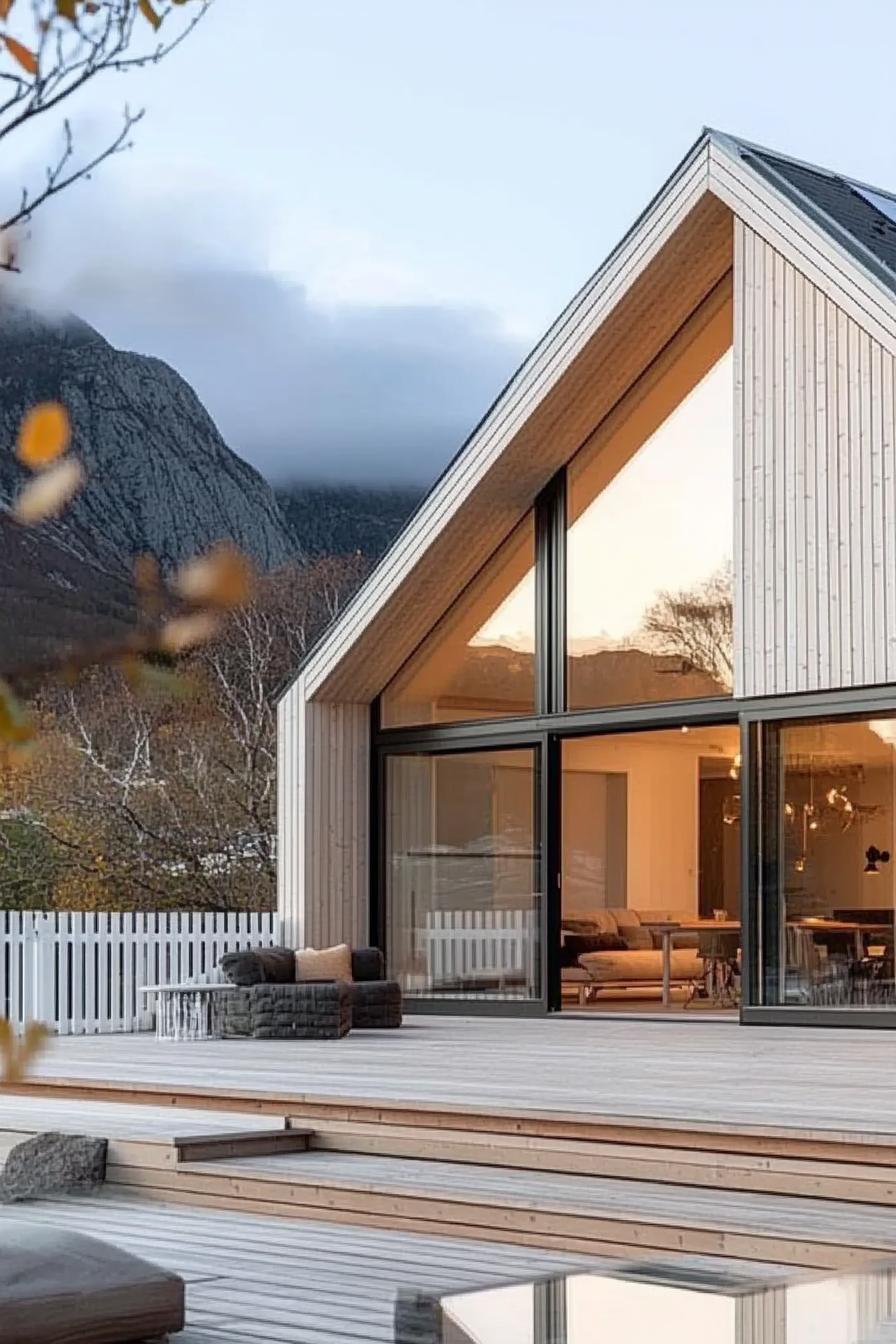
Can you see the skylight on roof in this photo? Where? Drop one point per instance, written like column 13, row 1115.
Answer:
column 886, row 205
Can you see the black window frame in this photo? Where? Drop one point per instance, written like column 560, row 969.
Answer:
column 553, row 722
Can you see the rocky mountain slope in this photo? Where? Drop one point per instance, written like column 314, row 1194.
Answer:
column 160, row 477
column 343, row 519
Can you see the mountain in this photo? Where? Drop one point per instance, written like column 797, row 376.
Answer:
column 343, row 519
column 160, row 479
column 50, row 597
column 159, row 476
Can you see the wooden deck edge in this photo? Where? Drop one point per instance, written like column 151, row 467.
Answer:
column 295, row 1182
column 853, row 1185
column 305, row 1109
column 805, row 1177
column 570, row 1232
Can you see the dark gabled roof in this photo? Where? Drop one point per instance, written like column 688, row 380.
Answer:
column 835, row 203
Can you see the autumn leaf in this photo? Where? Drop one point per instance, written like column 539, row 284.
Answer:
column 67, row 9
column 47, row 494
column 5, row 7
column 220, row 578
column 44, row 435
column 16, row 1055
column 26, row 59
column 15, row 726
column 149, row 13
column 185, row 632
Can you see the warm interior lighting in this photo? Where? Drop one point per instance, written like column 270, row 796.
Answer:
column 885, row 730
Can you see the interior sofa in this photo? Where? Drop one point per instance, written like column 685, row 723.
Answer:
column 610, row 952
column 273, row 1003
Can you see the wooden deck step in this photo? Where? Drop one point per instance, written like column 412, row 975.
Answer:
column 579, row 1214
column 220, row 1146
column 704, row 1166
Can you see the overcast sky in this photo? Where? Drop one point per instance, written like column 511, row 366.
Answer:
column 344, row 222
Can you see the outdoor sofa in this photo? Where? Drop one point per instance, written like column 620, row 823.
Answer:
column 332, row 998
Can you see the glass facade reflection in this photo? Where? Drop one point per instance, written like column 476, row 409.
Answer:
column 479, row 660
column 829, row 901
column 649, row 543
column 463, row 871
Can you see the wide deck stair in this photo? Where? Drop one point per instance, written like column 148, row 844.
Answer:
column 569, row 1184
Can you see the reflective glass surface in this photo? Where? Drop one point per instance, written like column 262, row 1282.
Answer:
column 644, row 1303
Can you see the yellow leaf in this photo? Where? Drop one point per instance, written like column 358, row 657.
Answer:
column 14, row 723
column 26, row 59
column 220, row 578
column 149, row 13
column 16, row 1055
column 47, row 494
column 43, row 435
column 5, row 7
column 185, row 632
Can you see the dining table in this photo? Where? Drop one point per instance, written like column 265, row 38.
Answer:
column 668, row 928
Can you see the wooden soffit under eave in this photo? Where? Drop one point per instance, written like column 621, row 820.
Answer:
column 690, row 264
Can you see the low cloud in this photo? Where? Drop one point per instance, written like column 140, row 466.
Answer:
column 360, row 394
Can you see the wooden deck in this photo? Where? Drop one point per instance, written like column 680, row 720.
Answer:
column 576, row 1137
column 252, row 1279
column 693, row 1072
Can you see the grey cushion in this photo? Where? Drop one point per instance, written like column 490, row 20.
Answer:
column 376, row 1004
column 59, row 1287
column 259, row 966
column 368, row 963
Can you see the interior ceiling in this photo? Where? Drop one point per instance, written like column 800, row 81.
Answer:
column 719, row 739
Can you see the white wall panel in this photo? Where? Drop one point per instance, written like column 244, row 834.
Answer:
column 815, row 500
column 323, row 774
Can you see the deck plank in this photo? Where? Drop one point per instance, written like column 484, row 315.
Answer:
column 717, row 1074
column 291, row 1282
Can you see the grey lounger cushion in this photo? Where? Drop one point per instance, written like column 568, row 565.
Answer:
column 60, row 1287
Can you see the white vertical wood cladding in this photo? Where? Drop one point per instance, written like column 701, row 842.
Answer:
column 323, row 846
column 815, row 481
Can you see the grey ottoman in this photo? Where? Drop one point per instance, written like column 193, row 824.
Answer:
column 312, row 1010
column 375, row 1004
column 64, row 1288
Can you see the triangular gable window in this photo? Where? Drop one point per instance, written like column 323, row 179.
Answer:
column 478, row 662
column 650, row 535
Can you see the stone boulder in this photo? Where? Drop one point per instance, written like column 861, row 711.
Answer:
column 52, row 1164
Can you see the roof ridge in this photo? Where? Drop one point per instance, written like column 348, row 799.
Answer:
column 752, row 148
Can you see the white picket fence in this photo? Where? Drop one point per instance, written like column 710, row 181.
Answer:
column 464, row 944
column 82, row 972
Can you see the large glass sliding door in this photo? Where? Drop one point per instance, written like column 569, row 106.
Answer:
column 827, row 902
column 463, row 874
column 650, row 851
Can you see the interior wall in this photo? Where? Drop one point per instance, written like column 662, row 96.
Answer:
column 659, row 776
column 824, row 869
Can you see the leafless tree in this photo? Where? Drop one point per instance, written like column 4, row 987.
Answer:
column 697, row 624
column 165, row 796
column 52, row 49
